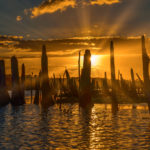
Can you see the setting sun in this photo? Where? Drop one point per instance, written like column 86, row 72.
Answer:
column 95, row 59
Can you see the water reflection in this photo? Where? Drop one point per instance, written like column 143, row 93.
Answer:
column 31, row 127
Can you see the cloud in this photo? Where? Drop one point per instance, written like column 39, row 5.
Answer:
column 18, row 18
column 102, row 2
column 51, row 6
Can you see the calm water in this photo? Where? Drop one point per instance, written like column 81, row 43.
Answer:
column 30, row 127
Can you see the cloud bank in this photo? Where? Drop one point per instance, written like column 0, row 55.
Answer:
column 51, row 6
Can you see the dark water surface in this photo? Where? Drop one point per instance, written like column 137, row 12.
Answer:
column 30, row 127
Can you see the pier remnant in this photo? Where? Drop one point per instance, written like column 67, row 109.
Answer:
column 146, row 60
column 4, row 96
column 17, row 94
column 113, row 78
column 85, row 91
column 45, row 87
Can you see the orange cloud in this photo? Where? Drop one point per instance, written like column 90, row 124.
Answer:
column 102, row 2
column 51, row 6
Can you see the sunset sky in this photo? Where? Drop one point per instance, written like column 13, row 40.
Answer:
column 68, row 26
column 68, row 18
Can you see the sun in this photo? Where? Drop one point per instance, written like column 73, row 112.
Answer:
column 94, row 60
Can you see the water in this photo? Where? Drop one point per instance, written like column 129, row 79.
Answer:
column 31, row 127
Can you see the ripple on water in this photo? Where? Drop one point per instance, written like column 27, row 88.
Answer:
column 30, row 127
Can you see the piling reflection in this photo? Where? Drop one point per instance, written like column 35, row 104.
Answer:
column 85, row 119
column 30, row 126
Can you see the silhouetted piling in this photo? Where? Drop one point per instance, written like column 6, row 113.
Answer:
column 45, row 87
column 37, row 90
column 133, row 86
column 112, row 66
column 113, row 77
column 85, row 93
column 4, row 96
column 31, row 87
column 2, row 74
column 105, row 84
column 142, row 83
column 17, row 96
column 23, row 76
column 79, row 73
column 145, row 59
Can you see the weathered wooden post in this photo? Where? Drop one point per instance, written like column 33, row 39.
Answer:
column 113, row 77
column 105, row 84
column 79, row 74
column 31, row 87
column 85, row 93
column 4, row 96
column 23, row 74
column 23, row 81
column 146, row 59
column 37, row 90
column 112, row 66
column 17, row 97
column 45, row 87
column 2, row 73
column 133, row 86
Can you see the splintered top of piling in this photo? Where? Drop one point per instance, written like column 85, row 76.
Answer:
column 87, row 52
column 13, row 58
column 2, row 62
column 44, row 49
column 143, row 41
column 111, row 44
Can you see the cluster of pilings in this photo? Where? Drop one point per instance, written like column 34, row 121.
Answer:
column 83, row 89
column 116, row 87
column 17, row 94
